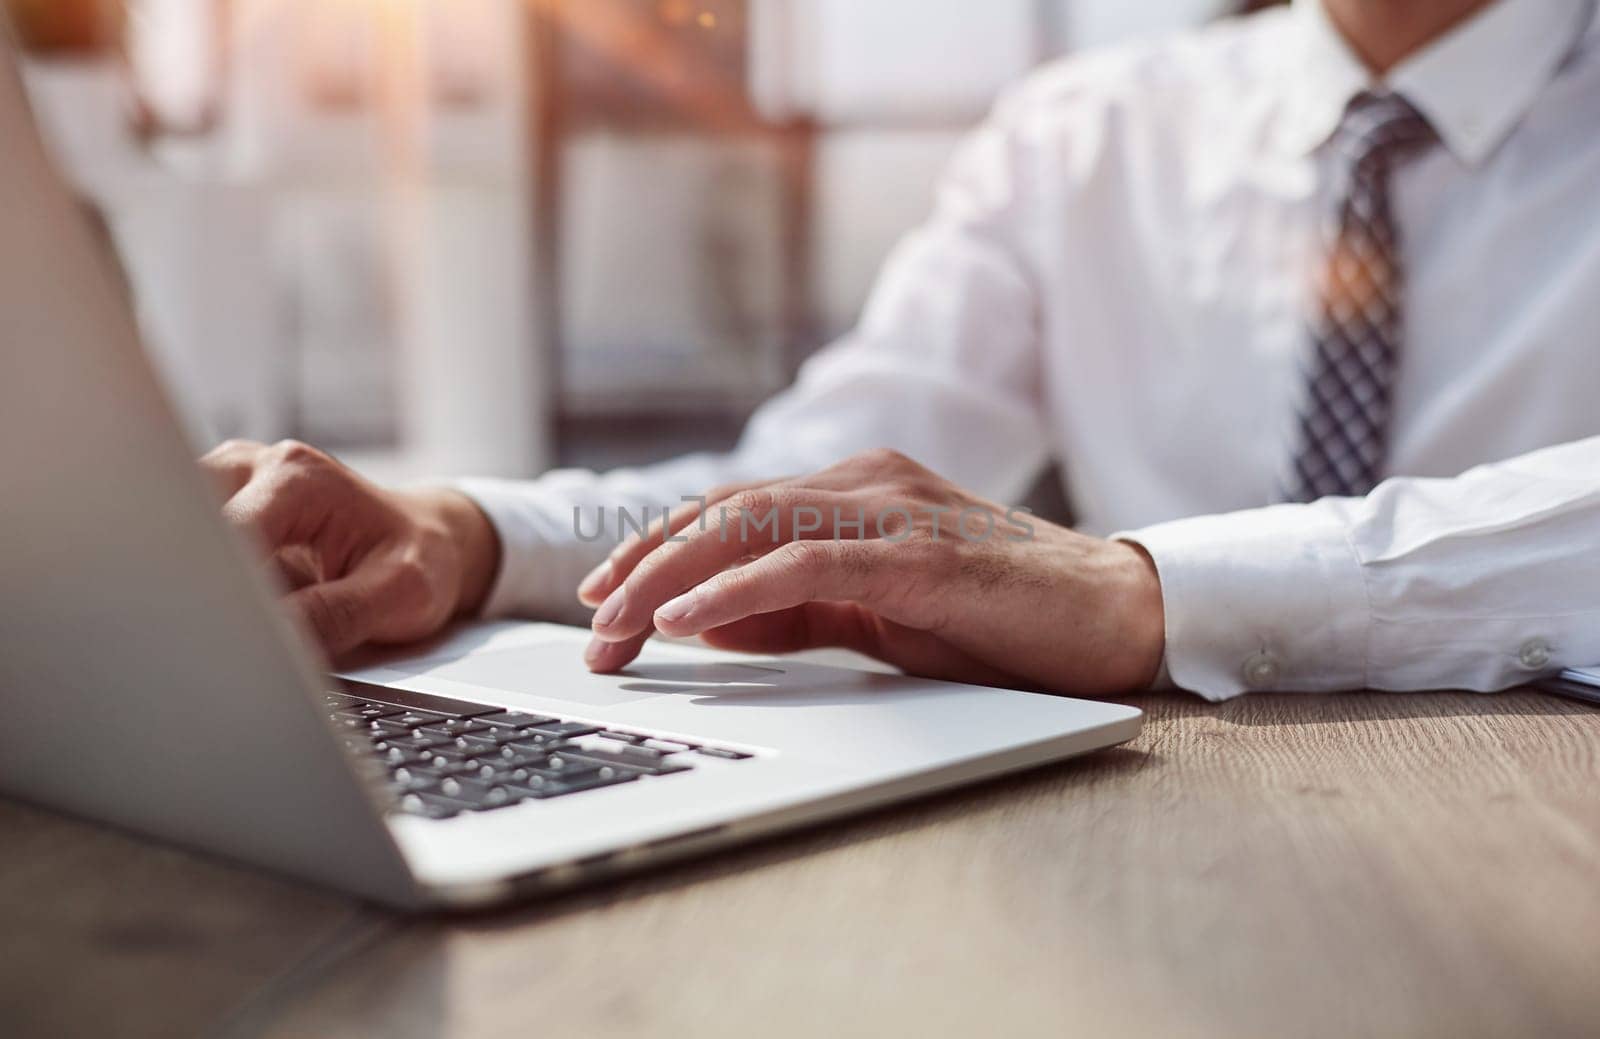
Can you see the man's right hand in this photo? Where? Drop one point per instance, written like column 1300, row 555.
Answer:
column 361, row 565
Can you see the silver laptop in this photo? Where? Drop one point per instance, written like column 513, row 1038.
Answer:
column 148, row 680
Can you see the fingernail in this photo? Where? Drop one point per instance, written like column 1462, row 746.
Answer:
column 608, row 611
column 596, row 578
column 677, row 609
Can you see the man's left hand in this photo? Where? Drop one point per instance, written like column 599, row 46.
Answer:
column 879, row 555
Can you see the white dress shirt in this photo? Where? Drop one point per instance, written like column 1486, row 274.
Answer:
column 1116, row 275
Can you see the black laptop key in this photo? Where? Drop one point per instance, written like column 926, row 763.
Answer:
column 468, row 767
column 447, row 752
column 434, row 806
column 523, row 755
column 477, row 792
column 720, row 752
column 370, row 712
column 450, row 728
column 388, row 727
column 636, row 759
column 489, row 770
column 513, row 754
column 669, row 746
column 564, row 764
column 515, row 719
column 549, row 763
column 395, row 754
column 425, row 702
column 544, row 787
column 415, row 719
column 502, row 734
column 341, row 701
column 413, row 804
column 532, row 740
column 420, row 740
column 470, row 744
column 350, row 719
column 620, row 737
column 506, row 774
column 509, row 754
column 440, row 768
column 563, row 730
column 413, row 780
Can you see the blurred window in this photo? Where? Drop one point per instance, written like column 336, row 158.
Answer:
column 497, row 234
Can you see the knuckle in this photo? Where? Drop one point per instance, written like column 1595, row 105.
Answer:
column 412, row 579
column 233, row 447
column 757, row 503
column 922, row 485
column 753, row 498
column 893, row 523
column 297, row 453
column 810, row 565
column 810, row 559
column 297, row 471
column 886, row 458
column 785, row 500
column 286, row 484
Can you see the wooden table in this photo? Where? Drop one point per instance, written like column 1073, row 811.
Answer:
column 1419, row 865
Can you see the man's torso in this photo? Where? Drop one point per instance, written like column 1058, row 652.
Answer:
column 1174, row 239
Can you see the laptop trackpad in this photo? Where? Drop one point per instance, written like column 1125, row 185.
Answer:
column 554, row 671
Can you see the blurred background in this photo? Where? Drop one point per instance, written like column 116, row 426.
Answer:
column 492, row 236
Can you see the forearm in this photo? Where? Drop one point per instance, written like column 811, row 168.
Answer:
column 553, row 530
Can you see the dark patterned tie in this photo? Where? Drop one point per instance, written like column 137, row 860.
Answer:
column 1356, row 328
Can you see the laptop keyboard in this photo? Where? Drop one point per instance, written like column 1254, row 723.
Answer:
column 443, row 757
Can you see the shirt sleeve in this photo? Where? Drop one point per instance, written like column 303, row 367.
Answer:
column 943, row 366
column 1480, row 582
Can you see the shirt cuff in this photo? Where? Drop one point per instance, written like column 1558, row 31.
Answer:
column 541, row 558
column 1268, row 599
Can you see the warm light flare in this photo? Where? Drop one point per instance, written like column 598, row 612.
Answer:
column 652, row 50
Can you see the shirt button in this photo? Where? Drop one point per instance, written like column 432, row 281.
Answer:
column 1261, row 670
column 1534, row 654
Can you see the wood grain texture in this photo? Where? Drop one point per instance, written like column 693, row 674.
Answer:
column 1365, row 864
column 105, row 935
